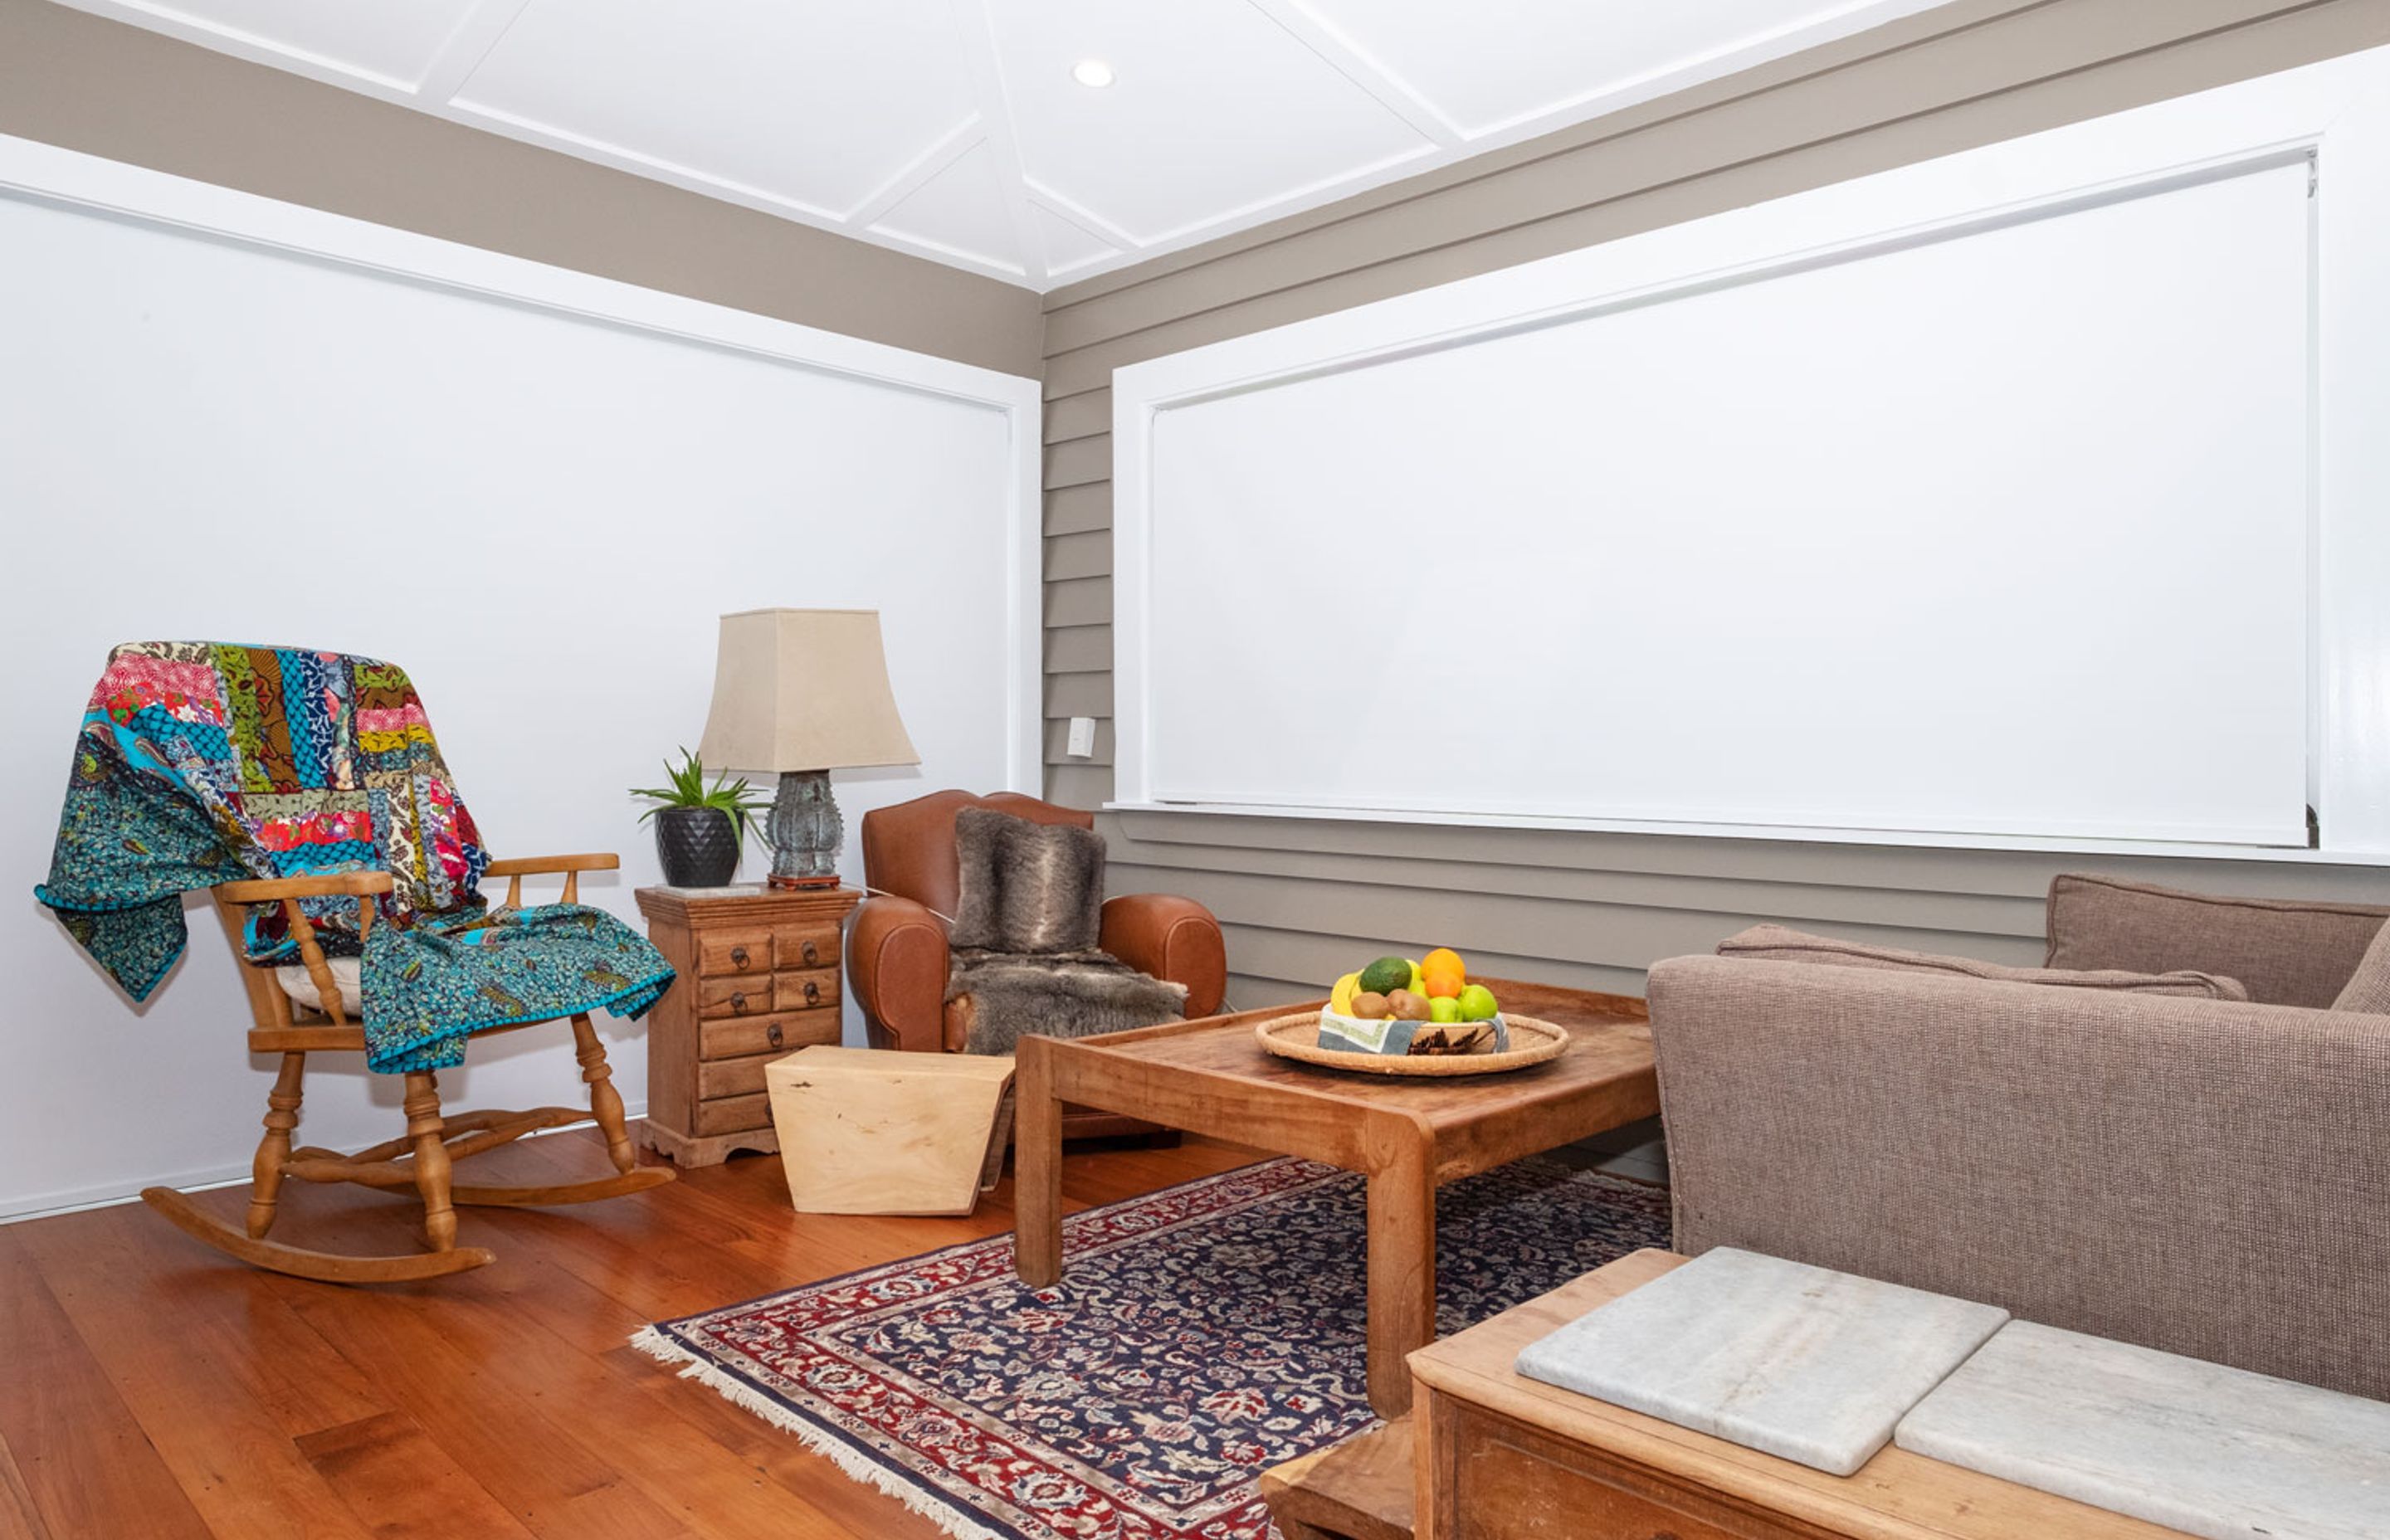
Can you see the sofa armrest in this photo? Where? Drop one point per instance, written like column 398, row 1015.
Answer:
column 2066, row 1153
column 1171, row 938
column 896, row 964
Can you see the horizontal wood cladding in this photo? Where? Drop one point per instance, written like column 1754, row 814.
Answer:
column 1079, row 601
column 1090, row 411
column 1076, row 462
column 1078, row 783
column 1079, row 649
column 1058, row 737
column 1302, row 898
column 1079, row 695
column 1077, row 510
column 1077, row 556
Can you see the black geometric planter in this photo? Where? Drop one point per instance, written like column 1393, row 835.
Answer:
column 698, row 846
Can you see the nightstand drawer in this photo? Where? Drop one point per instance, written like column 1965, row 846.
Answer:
column 812, row 947
column 725, row 953
column 734, row 1114
column 812, row 991
column 733, row 996
column 735, row 1038
column 733, row 1077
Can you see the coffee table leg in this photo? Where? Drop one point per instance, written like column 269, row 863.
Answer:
column 1037, row 1169
column 1402, row 1268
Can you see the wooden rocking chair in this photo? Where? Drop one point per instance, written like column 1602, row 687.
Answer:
column 422, row 1158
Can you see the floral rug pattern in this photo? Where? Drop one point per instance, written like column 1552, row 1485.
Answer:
column 1200, row 1335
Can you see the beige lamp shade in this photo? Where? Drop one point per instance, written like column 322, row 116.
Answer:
column 802, row 690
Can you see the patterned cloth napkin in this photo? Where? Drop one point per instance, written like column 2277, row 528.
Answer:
column 202, row 762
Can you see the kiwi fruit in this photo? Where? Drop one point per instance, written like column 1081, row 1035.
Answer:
column 1370, row 1006
column 1408, row 1007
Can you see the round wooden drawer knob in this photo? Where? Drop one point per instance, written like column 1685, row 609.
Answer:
column 737, row 1003
column 772, row 1035
column 812, row 954
column 812, row 992
column 739, row 956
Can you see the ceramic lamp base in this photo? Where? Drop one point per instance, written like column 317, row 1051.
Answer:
column 807, row 832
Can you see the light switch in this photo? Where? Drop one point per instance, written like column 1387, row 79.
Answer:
column 1083, row 736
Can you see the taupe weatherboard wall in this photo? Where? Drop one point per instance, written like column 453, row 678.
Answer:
column 1305, row 900
column 108, row 89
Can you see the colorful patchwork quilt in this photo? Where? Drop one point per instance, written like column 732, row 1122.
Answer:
column 200, row 763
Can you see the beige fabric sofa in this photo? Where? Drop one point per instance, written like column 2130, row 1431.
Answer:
column 2205, row 1177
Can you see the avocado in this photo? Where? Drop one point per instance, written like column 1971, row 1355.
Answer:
column 1386, row 975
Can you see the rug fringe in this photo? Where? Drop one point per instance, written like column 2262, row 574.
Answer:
column 853, row 1463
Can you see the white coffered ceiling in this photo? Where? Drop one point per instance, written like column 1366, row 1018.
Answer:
column 954, row 129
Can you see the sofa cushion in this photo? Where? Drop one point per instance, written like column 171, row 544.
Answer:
column 1776, row 943
column 2285, row 952
column 2369, row 988
column 1026, row 887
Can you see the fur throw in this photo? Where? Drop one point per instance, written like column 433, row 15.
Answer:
column 1006, row 997
column 1026, row 887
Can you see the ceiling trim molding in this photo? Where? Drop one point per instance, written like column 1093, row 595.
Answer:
column 976, row 24
column 476, row 34
column 1390, row 91
column 919, row 172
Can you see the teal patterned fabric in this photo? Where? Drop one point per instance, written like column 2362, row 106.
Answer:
column 200, row 763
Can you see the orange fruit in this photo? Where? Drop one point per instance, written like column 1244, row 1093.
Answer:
column 1444, row 960
column 1444, row 985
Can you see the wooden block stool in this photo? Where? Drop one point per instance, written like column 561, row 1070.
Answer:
column 867, row 1131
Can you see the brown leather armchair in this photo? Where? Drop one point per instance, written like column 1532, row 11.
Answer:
column 896, row 948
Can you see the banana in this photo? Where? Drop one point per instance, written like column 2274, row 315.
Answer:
column 1339, row 999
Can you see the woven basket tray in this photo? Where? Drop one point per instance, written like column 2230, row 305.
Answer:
column 1297, row 1037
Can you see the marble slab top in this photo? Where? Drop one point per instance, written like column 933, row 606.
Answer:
column 1795, row 1361
column 2217, row 1452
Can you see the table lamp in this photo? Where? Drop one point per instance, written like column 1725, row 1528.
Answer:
column 799, row 693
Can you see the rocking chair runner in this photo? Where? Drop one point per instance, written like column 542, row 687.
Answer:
column 422, row 1158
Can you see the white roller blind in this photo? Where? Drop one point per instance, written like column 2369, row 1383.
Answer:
column 2000, row 531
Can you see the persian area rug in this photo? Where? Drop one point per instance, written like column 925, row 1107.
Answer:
column 1201, row 1334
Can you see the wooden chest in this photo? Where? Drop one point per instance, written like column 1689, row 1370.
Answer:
column 759, row 979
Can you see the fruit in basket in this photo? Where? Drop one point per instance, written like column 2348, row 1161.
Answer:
column 1408, row 1006
column 1369, row 1006
column 1444, row 960
column 1339, row 999
column 1387, row 975
column 1477, row 1003
column 1442, row 1008
column 1441, row 986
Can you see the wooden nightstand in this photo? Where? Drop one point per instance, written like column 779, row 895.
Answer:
column 759, row 979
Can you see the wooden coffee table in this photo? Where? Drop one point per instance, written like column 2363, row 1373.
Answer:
column 1408, row 1136
column 1491, row 1454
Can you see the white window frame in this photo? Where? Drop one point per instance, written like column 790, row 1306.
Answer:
column 2337, row 112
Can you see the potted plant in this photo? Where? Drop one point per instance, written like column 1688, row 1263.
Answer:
column 700, row 828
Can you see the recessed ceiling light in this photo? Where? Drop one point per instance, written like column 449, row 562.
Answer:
column 1092, row 71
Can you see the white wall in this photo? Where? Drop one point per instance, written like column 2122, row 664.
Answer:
column 534, row 490
column 1904, row 509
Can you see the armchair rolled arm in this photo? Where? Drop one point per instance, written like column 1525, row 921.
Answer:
column 1171, row 938
column 896, row 964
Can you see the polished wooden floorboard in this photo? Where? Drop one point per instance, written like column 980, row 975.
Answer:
column 150, row 1388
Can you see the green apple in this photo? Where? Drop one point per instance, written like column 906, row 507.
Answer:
column 1444, row 1007
column 1476, row 1003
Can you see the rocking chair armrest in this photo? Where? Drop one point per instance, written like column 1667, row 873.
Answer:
column 273, row 890
column 540, row 865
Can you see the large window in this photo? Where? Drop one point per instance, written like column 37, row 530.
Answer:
column 1976, row 499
